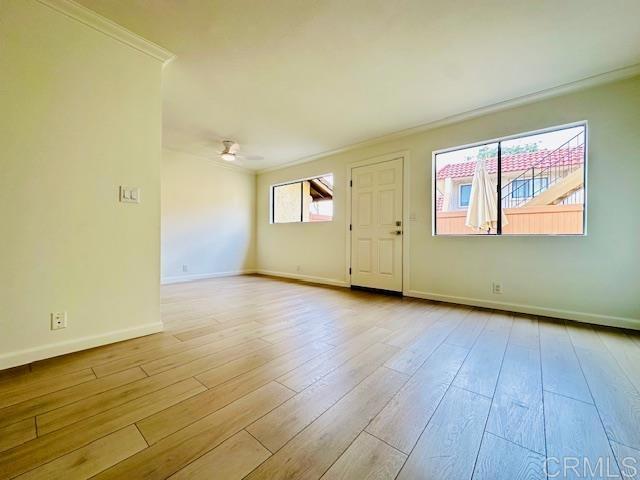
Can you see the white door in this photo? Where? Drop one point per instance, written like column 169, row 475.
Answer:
column 376, row 225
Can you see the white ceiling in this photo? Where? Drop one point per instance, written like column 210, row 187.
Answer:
column 289, row 79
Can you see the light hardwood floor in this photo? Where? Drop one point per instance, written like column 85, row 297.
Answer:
column 260, row 378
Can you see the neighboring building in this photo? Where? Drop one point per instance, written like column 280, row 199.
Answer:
column 309, row 200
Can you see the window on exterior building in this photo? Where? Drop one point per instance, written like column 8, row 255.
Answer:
column 464, row 193
column 528, row 184
column 527, row 188
column 307, row 200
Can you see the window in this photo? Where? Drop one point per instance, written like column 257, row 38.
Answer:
column 528, row 184
column 308, row 200
column 522, row 188
column 464, row 192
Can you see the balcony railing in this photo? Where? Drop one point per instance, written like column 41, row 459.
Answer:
column 545, row 173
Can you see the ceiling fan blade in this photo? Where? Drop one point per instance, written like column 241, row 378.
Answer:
column 250, row 158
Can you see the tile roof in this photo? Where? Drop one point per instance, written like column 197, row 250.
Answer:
column 516, row 162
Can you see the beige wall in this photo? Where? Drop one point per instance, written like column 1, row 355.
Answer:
column 593, row 278
column 208, row 218
column 80, row 114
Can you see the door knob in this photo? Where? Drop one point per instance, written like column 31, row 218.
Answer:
column 396, row 232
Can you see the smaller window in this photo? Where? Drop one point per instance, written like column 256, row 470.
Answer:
column 308, row 200
column 522, row 187
column 464, row 194
column 539, row 185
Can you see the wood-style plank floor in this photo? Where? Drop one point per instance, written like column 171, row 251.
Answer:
column 261, row 378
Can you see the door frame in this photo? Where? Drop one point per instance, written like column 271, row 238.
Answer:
column 404, row 156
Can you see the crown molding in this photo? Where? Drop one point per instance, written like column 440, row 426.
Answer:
column 588, row 82
column 218, row 163
column 103, row 25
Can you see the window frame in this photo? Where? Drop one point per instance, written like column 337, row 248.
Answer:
column 273, row 197
column 524, row 184
column 460, row 194
column 499, row 140
column 531, row 187
column 291, row 182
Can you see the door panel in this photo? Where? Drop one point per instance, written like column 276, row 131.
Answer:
column 364, row 255
column 366, row 179
column 365, row 208
column 376, row 210
column 385, row 255
column 386, row 177
column 387, row 208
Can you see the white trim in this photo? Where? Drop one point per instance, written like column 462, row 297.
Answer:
column 103, row 25
column 406, row 168
column 28, row 355
column 298, row 180
column 201, row 276
column 218, row 163
column 305, row 278
column 592, row 81
column 585, row 317
column 460, row 185
column 585, row 187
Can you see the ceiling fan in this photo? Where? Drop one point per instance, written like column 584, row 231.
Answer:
column 230, row 151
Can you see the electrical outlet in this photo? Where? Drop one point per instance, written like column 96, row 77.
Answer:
column 496, row 288
column 58, row 320
column 185, row 268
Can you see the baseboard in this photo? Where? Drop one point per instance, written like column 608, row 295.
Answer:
column 21, row 357
column 202, row 276
column 305, row 278
column 593, row 318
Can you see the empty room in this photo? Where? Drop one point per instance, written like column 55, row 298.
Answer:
column 296, row 239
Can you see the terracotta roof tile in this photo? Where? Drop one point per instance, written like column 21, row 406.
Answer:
column 515, row 163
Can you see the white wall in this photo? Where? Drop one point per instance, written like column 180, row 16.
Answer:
column 80, row 114
column 208, row 218
column 593, row 278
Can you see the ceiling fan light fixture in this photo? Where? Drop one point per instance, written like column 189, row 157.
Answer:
column 228, row 157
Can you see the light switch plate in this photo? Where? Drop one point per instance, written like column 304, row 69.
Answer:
column 129, row 194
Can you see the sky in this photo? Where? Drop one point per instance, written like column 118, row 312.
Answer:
column 545, row 141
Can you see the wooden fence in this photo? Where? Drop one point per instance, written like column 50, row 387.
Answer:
column 544, row 219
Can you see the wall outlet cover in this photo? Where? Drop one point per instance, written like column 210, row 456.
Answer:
column 58, row 320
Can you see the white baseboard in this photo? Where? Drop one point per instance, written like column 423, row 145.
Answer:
column 607, row 320
column 202, row 276
column 21, row 357
column 304, row 278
